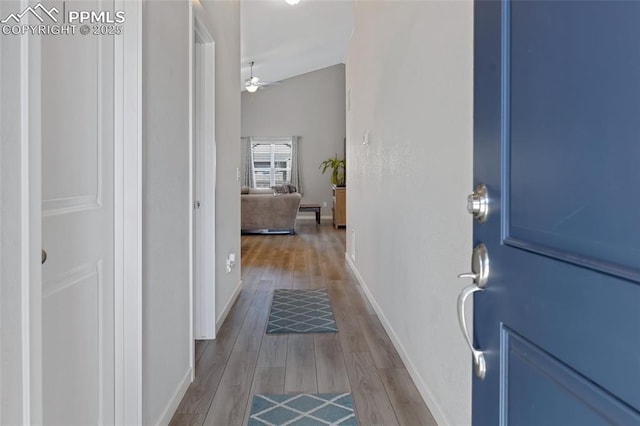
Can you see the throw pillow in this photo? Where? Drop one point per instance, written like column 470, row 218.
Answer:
column 292, row 189
column 280, row 189
column 244, row 189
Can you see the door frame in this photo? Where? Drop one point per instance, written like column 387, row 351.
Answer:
column 203, row 143
column 20, row 226
column 128, row 217
column 21, row 200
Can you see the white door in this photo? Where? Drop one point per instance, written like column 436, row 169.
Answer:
column 199, row 299
column 77, row 95
column 204, row 181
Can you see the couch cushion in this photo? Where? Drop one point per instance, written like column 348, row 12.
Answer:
column 260, row 191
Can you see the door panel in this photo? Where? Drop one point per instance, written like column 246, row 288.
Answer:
column 555, row 87
column 73, row 117
column 78, row 226
column 542, row 390
column 571, row 113
column 72, row 314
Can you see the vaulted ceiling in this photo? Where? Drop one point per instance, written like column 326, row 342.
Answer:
column 285, row 41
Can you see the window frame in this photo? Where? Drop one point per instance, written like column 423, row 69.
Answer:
column 272, row 169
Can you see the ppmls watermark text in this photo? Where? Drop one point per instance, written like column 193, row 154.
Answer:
column 40, row 20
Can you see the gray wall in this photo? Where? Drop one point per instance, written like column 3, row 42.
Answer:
column 165, row 205
column 410, row 71
column 312, row 106
column 166, row 209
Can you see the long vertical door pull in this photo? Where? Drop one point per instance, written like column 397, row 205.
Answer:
column 480, row 275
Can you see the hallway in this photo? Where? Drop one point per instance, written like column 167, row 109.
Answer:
column 243, row 360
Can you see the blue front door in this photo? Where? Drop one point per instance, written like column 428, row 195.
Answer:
column 557, row 144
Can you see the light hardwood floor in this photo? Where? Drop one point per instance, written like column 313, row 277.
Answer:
column 243, row 360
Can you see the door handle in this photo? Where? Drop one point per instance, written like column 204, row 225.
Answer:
column 480, row 276
column 44, row 256
column 478, row 356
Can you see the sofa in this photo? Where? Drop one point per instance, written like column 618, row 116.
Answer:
column 262, row 210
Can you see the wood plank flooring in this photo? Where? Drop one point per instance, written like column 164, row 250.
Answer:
column 243, row 360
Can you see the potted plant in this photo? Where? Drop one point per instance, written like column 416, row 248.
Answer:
column 337, row 169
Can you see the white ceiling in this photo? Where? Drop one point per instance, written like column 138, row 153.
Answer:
column 285, row 41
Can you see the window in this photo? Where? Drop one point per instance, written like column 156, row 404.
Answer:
column 271, row 162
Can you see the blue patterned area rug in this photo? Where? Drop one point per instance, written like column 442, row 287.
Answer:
column 301, row 311
column 303, row 410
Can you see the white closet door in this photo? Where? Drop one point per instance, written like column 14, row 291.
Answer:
column 78, row 226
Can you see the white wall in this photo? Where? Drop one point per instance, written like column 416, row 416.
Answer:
column 312, row 106
column 224, row 25
column 166, row 209
column 410, row 71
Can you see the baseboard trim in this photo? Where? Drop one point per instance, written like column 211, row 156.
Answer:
column 167, row 414
column 227, row 308
column 424, row 390
column 309, row 217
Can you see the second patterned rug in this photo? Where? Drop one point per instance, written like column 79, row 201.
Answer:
column 334, row 409
column 301, row 311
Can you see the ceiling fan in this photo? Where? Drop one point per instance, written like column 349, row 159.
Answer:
column 253, row 83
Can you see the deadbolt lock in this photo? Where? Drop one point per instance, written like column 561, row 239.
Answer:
column 478, row 203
